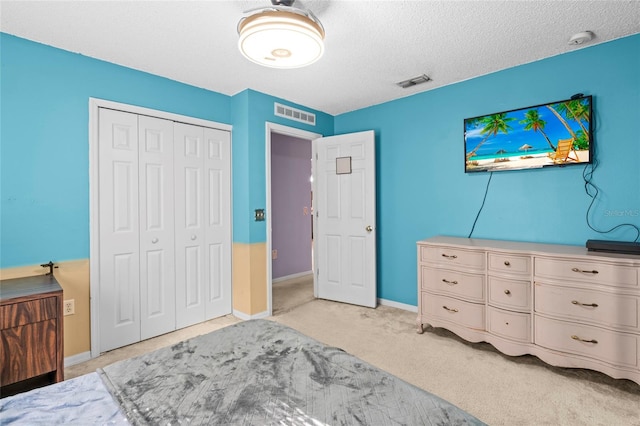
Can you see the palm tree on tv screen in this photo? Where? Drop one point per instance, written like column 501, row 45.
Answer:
column 532, row 121
column 492, row 125
column 575, row 110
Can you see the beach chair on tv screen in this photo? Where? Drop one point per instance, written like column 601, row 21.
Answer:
column 563, row 152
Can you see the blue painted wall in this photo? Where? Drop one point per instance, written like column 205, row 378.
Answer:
column 240, row 167
column 44, row 147
column 423, row 190
column 44, row 151
column 251, row 110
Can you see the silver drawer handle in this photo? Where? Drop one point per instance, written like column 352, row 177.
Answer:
column 155, row 240
column 583, row 271
column 594, row 341
column 450, row 309
column 507, row 292
column 444, row 280
column 193, row 237
column 453, row 256
column 593, row 305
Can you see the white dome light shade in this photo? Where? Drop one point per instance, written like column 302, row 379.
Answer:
column 281, row 39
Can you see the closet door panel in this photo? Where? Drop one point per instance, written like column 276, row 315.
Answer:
column 157, row 242
column 217, row 192
column 119, row 229
column 189, row 224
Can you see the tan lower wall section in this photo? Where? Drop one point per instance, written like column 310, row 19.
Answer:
column 73, row 277
column 250, row 278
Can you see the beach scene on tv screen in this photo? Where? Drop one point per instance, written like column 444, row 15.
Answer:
column 532, row 137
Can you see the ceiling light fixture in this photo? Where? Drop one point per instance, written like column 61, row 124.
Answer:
column 281, row 36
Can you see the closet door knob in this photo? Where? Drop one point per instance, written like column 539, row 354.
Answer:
column 193, row 237
column 155, row 240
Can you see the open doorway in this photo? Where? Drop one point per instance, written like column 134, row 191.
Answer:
column 290, row 277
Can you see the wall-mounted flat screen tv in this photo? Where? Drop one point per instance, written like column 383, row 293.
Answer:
column 553, row 134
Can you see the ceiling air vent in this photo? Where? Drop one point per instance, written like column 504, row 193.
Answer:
column 294, row 114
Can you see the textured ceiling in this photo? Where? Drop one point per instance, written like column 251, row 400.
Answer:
column 370, row 45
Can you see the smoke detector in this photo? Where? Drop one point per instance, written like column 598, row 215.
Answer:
column 414, row 81
column 580, row 38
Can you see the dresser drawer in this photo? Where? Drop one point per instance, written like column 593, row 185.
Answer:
column 16, row 314
column 609, row 346
column 512, row 325
column 595, row 307
column 451, row 256
column 467, row 314
column 587, row 272
column 467, row 286
column 510, row 294
column 509, row 263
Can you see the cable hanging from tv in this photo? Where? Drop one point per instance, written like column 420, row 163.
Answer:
column 589, row 186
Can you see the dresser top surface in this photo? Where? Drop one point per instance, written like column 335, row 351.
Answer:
column 27, row 286
column 529, row 248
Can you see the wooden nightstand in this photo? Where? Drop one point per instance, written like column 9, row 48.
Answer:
column 31, row 333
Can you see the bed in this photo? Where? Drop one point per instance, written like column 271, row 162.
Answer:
column 256, row 372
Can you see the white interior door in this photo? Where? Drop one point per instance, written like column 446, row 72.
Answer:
column 119, row 230
column 157, row 266
column 345, row 218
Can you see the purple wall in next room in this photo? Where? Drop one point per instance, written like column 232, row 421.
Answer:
column 290, row 205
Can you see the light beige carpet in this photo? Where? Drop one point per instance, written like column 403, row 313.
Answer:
column 498, row 389
column 290, row 294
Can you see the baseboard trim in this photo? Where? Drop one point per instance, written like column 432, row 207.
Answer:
column 247, row 317
column 292, row 276
column 77, row 358
column 398, row 305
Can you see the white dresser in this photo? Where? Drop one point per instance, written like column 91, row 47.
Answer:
column 568, row 306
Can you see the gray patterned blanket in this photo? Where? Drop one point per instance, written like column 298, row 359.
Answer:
column 262, row 373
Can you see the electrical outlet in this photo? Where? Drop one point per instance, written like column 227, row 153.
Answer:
column 69, row 307
column 274, row 254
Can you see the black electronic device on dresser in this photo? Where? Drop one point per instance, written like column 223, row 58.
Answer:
column 623, row 247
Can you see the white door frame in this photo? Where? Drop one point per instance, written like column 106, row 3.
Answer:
column 94, row 196
column 289, row 131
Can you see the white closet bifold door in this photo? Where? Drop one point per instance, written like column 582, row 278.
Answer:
column 164, row 226
column 203, row 223
column 217, row 187
column 189, row 224
column 119, row 229
column 157, row 264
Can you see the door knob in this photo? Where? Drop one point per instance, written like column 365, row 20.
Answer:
column 369, row 228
